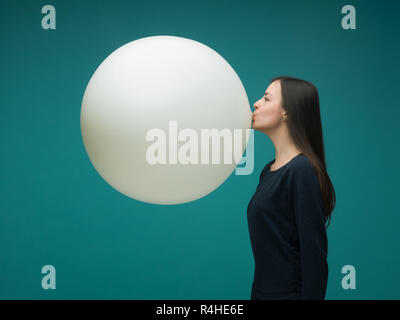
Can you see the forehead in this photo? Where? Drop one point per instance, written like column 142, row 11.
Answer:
column 273, row 88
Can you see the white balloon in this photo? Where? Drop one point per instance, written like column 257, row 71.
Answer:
column 144, row 85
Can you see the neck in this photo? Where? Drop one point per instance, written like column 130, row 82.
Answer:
column 285, row 149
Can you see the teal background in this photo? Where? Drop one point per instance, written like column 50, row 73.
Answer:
column 55, row 209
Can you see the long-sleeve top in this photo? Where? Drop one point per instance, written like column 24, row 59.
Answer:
column 286, row 221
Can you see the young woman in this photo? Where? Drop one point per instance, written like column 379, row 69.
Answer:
column 294, row 199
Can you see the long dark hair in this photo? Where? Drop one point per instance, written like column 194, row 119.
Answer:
column 301, row 103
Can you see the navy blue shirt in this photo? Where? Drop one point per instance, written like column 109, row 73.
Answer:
column 287, row 230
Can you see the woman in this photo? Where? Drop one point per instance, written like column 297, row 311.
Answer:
column 294, row 199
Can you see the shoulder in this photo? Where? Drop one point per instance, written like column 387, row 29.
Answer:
column 304, row 184
column 301, row 168
column 301, row 161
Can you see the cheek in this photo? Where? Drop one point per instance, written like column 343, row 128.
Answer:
column 270, row 115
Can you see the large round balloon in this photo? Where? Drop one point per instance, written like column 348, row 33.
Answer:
column 144, row 113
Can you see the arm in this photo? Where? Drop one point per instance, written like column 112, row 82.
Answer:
column 310, row 222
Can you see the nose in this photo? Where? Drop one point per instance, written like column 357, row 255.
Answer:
column 255, row 106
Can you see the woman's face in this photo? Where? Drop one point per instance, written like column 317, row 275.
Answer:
column 268, row 110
